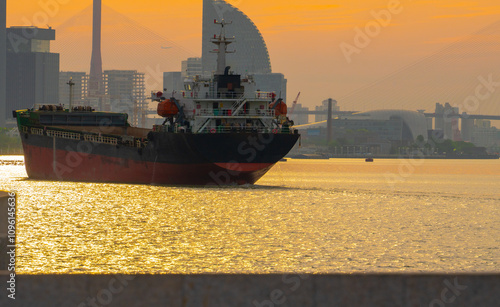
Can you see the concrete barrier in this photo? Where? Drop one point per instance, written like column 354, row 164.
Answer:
column 257, row 290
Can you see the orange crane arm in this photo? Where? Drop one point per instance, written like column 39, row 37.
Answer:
column 294, row 103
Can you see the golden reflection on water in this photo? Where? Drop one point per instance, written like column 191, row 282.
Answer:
column 304, row 216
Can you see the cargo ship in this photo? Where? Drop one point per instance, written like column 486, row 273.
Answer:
column 217, row 131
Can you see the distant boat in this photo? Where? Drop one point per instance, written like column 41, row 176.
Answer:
column 369, row 160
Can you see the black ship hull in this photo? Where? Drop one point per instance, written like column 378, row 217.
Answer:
column 164, row 158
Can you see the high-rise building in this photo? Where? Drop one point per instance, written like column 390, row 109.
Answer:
column 191, row 67
column 485, row 135
column 172, row 82
column 251, row 54
column 429, row 123
column 32, row 69
column 3, row 62
column 126, row 92
column 447, row 121
column 272, row 82
column 80, row 79
column 467, row 128
column 439, row 121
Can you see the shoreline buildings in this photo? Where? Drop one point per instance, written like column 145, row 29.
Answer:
column 383, row 131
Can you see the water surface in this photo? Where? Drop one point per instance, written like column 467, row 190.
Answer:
column 314, row 216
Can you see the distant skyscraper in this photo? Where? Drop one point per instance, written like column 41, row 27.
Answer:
column 3, row 62
column 126, row 90
column 467, row 128
column 251, row 51
column 32, row 69
column 439, row 121
column 172, row 82
column 447, row 121
column 95, row 82
column 274, row 82
column 191, row 68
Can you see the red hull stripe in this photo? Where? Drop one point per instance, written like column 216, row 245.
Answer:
column 74, row 166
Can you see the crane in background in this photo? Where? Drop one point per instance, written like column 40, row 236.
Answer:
column 294, row 104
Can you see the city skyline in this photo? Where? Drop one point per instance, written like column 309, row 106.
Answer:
column 320, row 40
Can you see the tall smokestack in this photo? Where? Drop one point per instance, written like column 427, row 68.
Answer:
column 3, row 62
column 95, row 81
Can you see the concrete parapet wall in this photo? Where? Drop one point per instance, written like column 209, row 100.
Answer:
column 256, row 290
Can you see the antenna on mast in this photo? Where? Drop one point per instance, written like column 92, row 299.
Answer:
column 222, row 42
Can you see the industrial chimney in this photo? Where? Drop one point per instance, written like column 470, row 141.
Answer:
column 3, row 62
column 96, row 87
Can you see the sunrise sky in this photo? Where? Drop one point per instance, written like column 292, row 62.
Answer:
column 305, row 38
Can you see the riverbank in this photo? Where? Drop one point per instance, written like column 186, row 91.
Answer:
column 11, row 151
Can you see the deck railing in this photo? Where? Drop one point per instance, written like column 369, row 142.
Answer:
column 100, row 139
column 226, row 95
column 62, row 134
column 248, row 129
column 229, row 112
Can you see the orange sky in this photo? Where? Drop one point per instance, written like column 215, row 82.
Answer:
column 305, row 37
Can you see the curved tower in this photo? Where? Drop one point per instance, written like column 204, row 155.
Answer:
column 251, row 56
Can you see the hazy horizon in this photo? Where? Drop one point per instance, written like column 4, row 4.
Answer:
column 370, row 55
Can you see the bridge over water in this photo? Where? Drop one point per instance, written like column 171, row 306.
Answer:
column 433, row 115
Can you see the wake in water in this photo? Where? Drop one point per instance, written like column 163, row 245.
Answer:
column 11, row 160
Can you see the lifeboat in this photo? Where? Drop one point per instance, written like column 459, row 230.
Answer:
column 167, row 108
column 281, row 109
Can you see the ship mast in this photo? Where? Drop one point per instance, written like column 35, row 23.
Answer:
column 71, row 84
column 222, row 42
